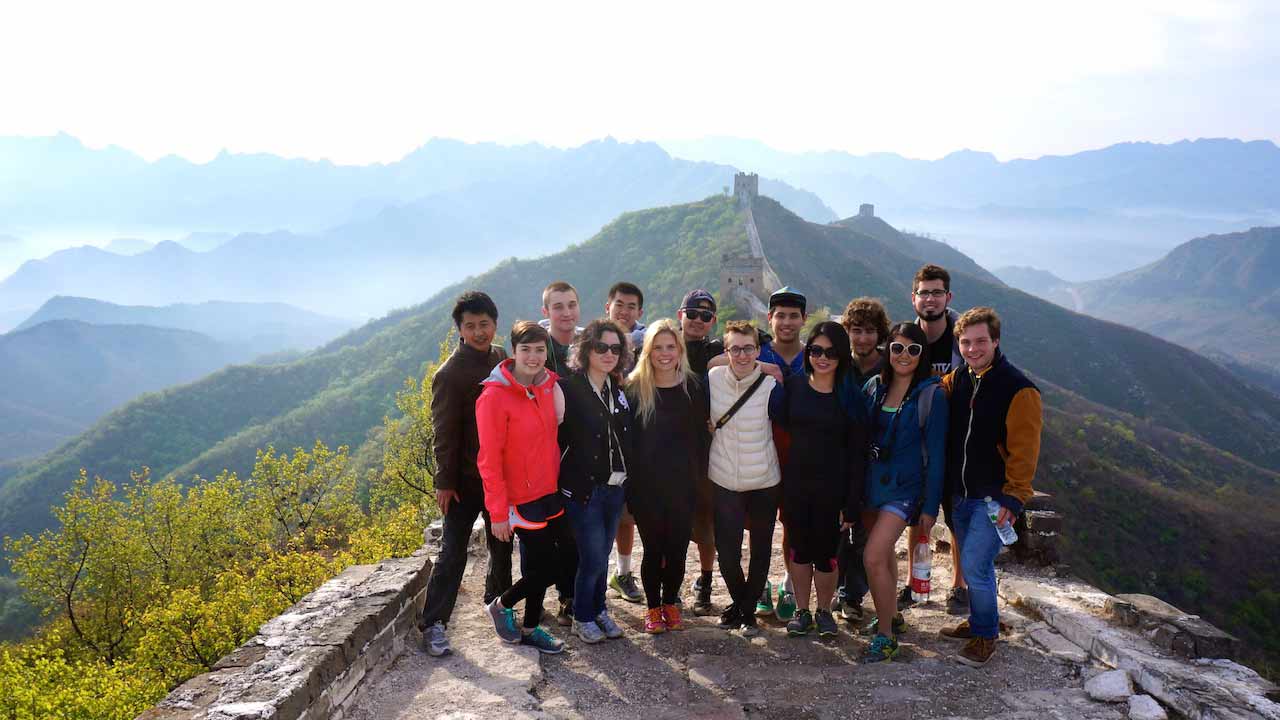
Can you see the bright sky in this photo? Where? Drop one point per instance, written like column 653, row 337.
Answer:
column 370, row 81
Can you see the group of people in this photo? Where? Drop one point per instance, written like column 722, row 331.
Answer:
column 849, row 433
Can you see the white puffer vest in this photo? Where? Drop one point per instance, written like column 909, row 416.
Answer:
column 742, row 453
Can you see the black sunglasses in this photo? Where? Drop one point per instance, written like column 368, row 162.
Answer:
column 897, row 348
column 817, row 351
column 602, row 348
column 696, row 314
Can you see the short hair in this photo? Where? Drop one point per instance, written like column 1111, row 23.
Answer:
column 978, row 316
column 591, row 334
column 557, row 286
column 476, row 303
column 528, row 332
column 867, row 312
column 931, row 272
column 626, row 288
column 742, row 327
column 914, row 333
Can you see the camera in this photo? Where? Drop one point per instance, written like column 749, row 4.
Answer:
column 875, row 451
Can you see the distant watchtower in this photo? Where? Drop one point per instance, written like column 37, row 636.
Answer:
column 742, row 271
column 746, row 187
column 866, row 210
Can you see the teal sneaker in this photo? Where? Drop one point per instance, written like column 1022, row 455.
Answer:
column 899, row 625
column 543, row 642
column 764, row 606
column 881, row 649
column 786, row 603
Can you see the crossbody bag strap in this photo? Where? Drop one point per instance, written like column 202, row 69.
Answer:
column 741, row 401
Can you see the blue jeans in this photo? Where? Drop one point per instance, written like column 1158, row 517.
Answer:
column 979, row 545
column 595, row 525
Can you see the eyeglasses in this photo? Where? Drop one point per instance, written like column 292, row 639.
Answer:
column 602, row 348
column 925, row 294
column 914, row 349
column 739, row 350
column 696, row 314
column 817, row 351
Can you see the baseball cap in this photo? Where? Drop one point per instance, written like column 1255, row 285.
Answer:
column 788, row 295
column 695, row 298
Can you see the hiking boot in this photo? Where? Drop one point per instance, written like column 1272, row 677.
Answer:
column 801, row 624
column 654, row 623
column 959, row 632
column 786, row 604
column 435, row 641
column 589, row 632
column 976, row 652
column 543, row 641
column 671, row 614
column 764, row 606
column 881, row 649
column 730, row 618
column 826, row 623
column 564, row 618
column 625, row 586
column 904, row 598
column 958, row 601
column 504, row 621
column 702, row 593
column 851, row 613
column 608, row 626
column 899, row 625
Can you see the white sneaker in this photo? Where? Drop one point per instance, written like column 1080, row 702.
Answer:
column 588, row 631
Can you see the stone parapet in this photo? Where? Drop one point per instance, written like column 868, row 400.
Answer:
column 311, row 661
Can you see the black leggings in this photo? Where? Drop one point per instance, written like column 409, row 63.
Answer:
column 732, row 512
column 665, row 532
column 542, row 563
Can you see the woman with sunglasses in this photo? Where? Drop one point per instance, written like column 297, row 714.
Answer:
column 595, row 448
column 671, row 445
column 823, row 473
column 905, row 472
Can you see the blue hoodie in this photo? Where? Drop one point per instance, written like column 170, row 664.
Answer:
column 904, row 476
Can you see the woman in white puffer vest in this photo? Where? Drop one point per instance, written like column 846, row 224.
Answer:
column 744, row 472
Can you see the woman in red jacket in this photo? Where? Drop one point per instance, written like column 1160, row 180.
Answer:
column 517, row 416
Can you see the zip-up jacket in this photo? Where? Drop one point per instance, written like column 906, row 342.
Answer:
column 912, row 465
column 585, row 436
column 454, row 391
column 743, row 456
column 994, row 441
column 519, row 458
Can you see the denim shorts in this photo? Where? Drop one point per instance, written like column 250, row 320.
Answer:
column 908, row 510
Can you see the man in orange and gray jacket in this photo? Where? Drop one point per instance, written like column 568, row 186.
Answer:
column 993, row 445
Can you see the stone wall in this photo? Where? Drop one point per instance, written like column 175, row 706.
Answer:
column 312, row 661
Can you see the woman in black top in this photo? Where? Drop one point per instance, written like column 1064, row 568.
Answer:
column 822, row 475
column 671, row 443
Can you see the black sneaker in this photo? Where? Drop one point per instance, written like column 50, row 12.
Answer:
column 958, row 601
column 904, row 598
column 564, row 618
column 826, row 623
column 730, row 618
column 801, row 623
column 873, row 628
column 749, row 626
column 702, row 600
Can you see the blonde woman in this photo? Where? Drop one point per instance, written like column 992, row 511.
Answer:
column 671, row 444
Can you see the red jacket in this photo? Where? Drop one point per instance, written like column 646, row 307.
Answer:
column 519, row 458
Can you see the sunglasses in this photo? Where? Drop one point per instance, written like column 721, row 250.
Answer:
column 696, row 314
column 914, row 349
column 817, row 351
column 602, row 348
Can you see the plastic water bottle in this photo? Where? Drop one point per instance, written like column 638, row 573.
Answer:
column 921, row 569
column 1007, row 534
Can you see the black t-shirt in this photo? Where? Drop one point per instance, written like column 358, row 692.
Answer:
column 940, row 350
column 558, row 359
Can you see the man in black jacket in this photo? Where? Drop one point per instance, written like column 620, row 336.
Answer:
column 459, row 491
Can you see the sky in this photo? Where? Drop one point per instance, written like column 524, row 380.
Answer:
column 370, row 81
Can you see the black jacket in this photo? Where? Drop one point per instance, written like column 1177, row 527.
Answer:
column 454, row 390
column 584, row 436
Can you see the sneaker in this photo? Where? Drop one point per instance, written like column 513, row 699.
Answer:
column 958, row 601
column 749, row 627
column 976, row 652
column 543, row 641
column 671, row 615
column 589, row 632
column 904, row 598
column 654, row 623
column 564, row 618
column 826, row 623
column 881, row 648
column 702, row 595
column 959, row 632
column 851, row 613
column 801, row 624
column 435, row 641
column 899, row 625
column 764, row 606
column 786, row 604
column 730, row 618
column 625, row 586
column 608, row 626
column 504, row 621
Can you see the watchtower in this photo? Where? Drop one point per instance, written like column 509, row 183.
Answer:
column 746, row 187
column 866, row 210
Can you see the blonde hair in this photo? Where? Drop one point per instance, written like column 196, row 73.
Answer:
column 642, row 382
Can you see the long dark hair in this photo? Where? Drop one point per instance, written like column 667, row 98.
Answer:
column 581, row 354
column 835, row 333
column 924, row 369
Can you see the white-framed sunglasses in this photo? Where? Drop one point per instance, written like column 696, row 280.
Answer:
column 897, row 348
